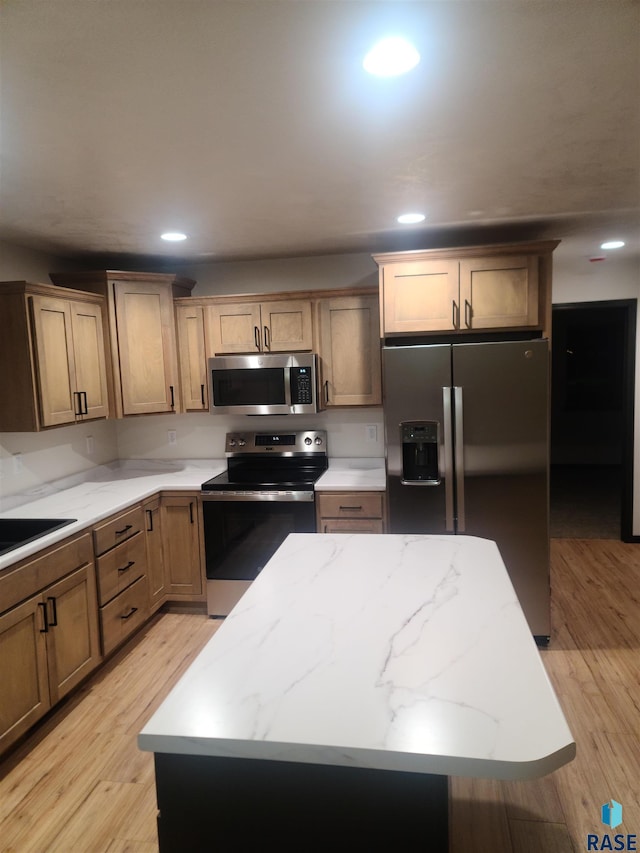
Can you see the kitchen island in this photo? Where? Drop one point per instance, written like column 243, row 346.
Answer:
column 356, row 674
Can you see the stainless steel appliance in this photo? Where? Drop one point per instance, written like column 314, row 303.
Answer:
column 263, row 384
column 266, row 493
column 467, row 433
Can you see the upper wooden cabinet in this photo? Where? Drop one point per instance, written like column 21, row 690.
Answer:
column 283, row 325
column 349, row 351
column 193, row 352
column 466, row 289
column 54, row 341
column 141, row 333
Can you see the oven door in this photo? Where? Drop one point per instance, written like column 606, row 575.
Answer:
column 241, row 533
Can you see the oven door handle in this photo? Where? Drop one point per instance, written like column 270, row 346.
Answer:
column 288, row 497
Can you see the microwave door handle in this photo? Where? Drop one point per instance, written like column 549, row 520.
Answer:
column 287, row 386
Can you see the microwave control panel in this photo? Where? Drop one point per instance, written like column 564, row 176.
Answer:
column 301, row 390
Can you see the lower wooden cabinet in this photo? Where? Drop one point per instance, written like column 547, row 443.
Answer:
column 121, row 568
column 155, row 556
column 123, row 614
column 48, row 642
column 350, row 512
column 181, row 546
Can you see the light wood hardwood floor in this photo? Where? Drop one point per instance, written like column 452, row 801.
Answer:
column 79, row 784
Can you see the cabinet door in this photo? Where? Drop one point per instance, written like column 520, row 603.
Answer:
column 89, row 359
column 287, row 326
column 192, row 357
column 350, row 351
column 181, row 546
column 146, row 347
column 235, row 327
column 420, row 296
column 24, row 694
column 499, row 292
column 155, row 560
column 55, row 361
column 72, row 637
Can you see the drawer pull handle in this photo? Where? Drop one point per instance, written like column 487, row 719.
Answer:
column 150, row 520
column 54, row 611
column 202, row 396
column 127, row 567
column 85, row 407
column 130, row 613
column 267, row 337
column 173, row 398
column 191, row 519
column 124, row 530
column 351, row 508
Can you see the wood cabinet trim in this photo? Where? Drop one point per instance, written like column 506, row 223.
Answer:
column 540, row 247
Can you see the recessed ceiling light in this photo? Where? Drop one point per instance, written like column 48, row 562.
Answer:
column 411, row 218
column 390, row 57
column 173, row 236
column 612, row 244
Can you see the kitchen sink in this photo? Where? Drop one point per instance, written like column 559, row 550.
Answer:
column 15, row 532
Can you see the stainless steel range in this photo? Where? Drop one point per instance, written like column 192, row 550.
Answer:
column 266, row 493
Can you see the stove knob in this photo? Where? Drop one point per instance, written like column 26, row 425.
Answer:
column 232, row 442
column 307, row 440
column 242, row 442
column 318, row 440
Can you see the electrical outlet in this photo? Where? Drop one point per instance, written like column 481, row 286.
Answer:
column 173, row 438
column 90, row 445
column 371, row 432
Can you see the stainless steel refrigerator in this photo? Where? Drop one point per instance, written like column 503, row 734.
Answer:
column 467, row 436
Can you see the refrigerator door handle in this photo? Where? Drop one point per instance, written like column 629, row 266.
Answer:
column 459, row 433
column 448, row 459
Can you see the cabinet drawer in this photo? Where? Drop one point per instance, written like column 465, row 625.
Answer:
column 29, row 578
column 118, row 568
column 124, row 614
column 351, row 525
column 351, row 505
column 118, row 530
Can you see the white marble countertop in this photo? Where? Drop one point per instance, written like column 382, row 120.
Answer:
column 354, row 474
column 393, row 652
column 107, row 490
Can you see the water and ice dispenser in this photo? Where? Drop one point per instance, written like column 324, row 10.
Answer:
column 419, row 441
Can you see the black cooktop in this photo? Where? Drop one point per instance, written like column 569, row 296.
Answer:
column 274, row 472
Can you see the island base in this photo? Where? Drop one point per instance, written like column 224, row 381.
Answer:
column 208, row 803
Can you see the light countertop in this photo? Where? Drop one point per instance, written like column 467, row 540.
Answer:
column 393, row 652
column 355, row 474
column 109, row 489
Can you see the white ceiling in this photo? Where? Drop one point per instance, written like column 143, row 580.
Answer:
column 251, row 125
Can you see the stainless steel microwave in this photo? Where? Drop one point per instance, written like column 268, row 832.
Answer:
column 263, row 384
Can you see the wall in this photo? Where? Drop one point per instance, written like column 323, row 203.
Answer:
column 313, row 273
column 19, row 264
column 201, row 436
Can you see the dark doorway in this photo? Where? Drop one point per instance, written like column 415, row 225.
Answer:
column 592, row 405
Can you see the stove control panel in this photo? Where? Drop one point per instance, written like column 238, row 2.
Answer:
column 278, row 443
